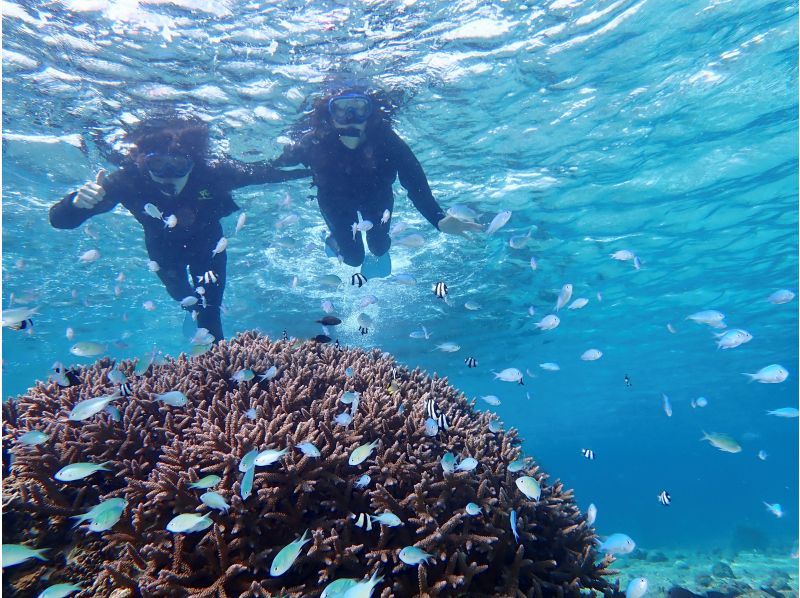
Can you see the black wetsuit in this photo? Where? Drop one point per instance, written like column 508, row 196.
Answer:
column 204, row 200
column 361, row 180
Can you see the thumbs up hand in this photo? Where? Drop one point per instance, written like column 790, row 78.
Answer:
column 91, row 193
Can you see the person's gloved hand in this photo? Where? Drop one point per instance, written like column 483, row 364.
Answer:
column 453, row 226
column 91, row 194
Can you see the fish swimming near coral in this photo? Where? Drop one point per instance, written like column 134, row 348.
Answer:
column 284, row 560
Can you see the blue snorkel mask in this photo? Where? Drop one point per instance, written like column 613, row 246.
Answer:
column 351, row 108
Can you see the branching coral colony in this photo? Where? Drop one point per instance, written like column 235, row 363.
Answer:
column 382, row 485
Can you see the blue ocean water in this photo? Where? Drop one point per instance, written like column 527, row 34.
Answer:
column 665, row 128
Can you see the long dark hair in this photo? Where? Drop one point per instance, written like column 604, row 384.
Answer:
column 187, row 135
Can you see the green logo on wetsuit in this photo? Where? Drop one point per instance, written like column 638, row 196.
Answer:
column 204, row 194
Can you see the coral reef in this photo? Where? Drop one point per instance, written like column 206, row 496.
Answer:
column 157, row 450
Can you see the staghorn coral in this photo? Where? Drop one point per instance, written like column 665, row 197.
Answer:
column 157, row 451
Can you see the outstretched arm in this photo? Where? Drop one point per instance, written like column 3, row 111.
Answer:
column 413, row 178
column 241, row 174
column 94, row 197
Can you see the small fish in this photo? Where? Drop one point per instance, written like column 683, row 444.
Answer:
column 491, row 400
column 421, row 333
column 467, row 464
column 519, row 241
column 363, row 226
column 358, row 279
column 494, row 426
column 89, row 407
column 367, row 300
column 449, row 463
column 362, row 453
column 327, row 306
column 59, row 590
column 513, row 520
column 667, row 405
column 208, row 277
column 308, row 449
column 87, row 349
column 529, row 487
column 548, row 322
column 623, row 255
column 24, row 325
column 412, row 241
column 69, row 333
column 269, row 374
column 771, row 374
column 588, row 453
column 171, row 221
column 627, row 381
column 472, row 306
column 591, row 355
column 472, row 509
column 775, row 509
column 733, row 338
column 363, row 330
column 153, row 266
column 247, row 483
column 388, row 519
column 723, row 442
column 783, row 412
column 498, row 222
column 206, row 482
column 534, row 265
column 636, row 588
column 149, row 306
column 363, row 481
column 188, row 523
column 322, row 338
column 386, row 216
column 509, row 375
column 33, row 438
column 564, row 295
column 173, row 398
column 440, row 290
column 109, row 514
column 664, row 498
column 114, row 413
column 471, row 363
column 243, row 376
column 637, row 263
column 411, row 555
column 363, row 521
column 779, row 297
column 214, row 500
column 284, row 560
column 349, row 397
column 14, row 554
column 591, row 514
column 116, row 377
column 671, row 328
column 188, row 301
column 287, row 220
column 397, row 228
column 250, row 413
column 240, row 222
column 579, row 303
column 329, row 321
column 248, row 461
column 462, row 212
column 517, row 465
column 330, row 281
column 617, row 544
column 340, row 587
column 89, row 256
column 431, row 427
column 448, row 347
column 343, row 419
column 152, row 211
column 269, row 456
column 700, row 402
column 710, row 317
column 364, row 320
column 406, row 279
column 762, row 454
column 78, row 471
column 221, row 245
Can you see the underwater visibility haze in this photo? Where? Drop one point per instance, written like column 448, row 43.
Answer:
column 647, row 152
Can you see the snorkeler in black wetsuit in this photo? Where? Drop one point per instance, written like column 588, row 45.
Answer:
column 355, row 156
column 169, row 168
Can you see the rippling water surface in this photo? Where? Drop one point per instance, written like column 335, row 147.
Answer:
column 668, row 128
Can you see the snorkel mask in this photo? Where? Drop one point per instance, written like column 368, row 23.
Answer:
column 349, row 114
column 169, row 171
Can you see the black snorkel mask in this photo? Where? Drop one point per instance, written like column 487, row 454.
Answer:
column 170, row 172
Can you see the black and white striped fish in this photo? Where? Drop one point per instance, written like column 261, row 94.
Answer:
column 430, row 409
column 471, row 362
column 363, row 521
column 444, row 425
column 125, row 390
column 588, row 453
column 664, row 498
column 440, row 289
column 23, row 325
column 363, row 330
column 358, row 279
column 285, row 335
